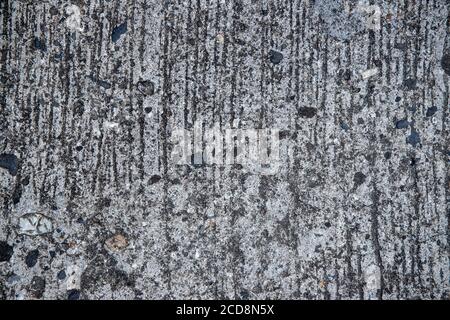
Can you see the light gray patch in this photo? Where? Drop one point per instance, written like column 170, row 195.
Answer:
column 341, row 23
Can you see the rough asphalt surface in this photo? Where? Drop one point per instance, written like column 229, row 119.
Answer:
column 93, row 207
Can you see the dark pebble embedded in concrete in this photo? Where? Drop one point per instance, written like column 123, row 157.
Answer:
column 410, row 84
column 275, row 57
column 32, row 258
column 359, row 178
column 344, row 126
column 401, row 124
column 17, row 194
column 73, row 294
column 413, row 139
column 431, row 111
column 146, row 87
column 39, row 44
column 245, row 294
column 54, row 11
column 307, row 112
column 6, row 251
column 118, row 31
column 154, row 179
column 9, row 162
column 37, row 287
column 445, row 63
column 61, row 275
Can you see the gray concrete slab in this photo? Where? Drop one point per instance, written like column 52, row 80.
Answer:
column 350, row 203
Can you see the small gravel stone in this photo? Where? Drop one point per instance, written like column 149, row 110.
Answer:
column 445, row 63
column 33, row 224
column 37, row 287
column 410, row 84
column 307, row 112
column 61, row 275
column 6, row 251
column 9, row 162
column 275, row 57
column 431, row 111
column 116, row 243
column 413, row 139
column 118, row 32
column 401, row 124
column 359, row 178
column 154, row 179
column 146, row 87
column 73, row 294
column 32, row 258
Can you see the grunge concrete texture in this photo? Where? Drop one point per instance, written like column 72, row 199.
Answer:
column 93, row 208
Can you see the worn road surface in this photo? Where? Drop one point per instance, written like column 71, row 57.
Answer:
column 93, row 204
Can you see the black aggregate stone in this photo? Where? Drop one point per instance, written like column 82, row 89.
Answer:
column 307, row 112
column 37, row 287
column 431, row 111
column 401, row 124
column 39, row 44
column 154, row 179
column 410, row 84
column 32, row 258
column 275, row 57
column 118, row 31
column 6, row 251
column 9, row 162
column 359, row 178
column 61, row 275
column 344, row 126
column 73, row 294
column 413, row 139
column 445, row 63
column 146, row 87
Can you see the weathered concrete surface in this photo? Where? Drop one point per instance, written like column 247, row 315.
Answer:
column 92, row 206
